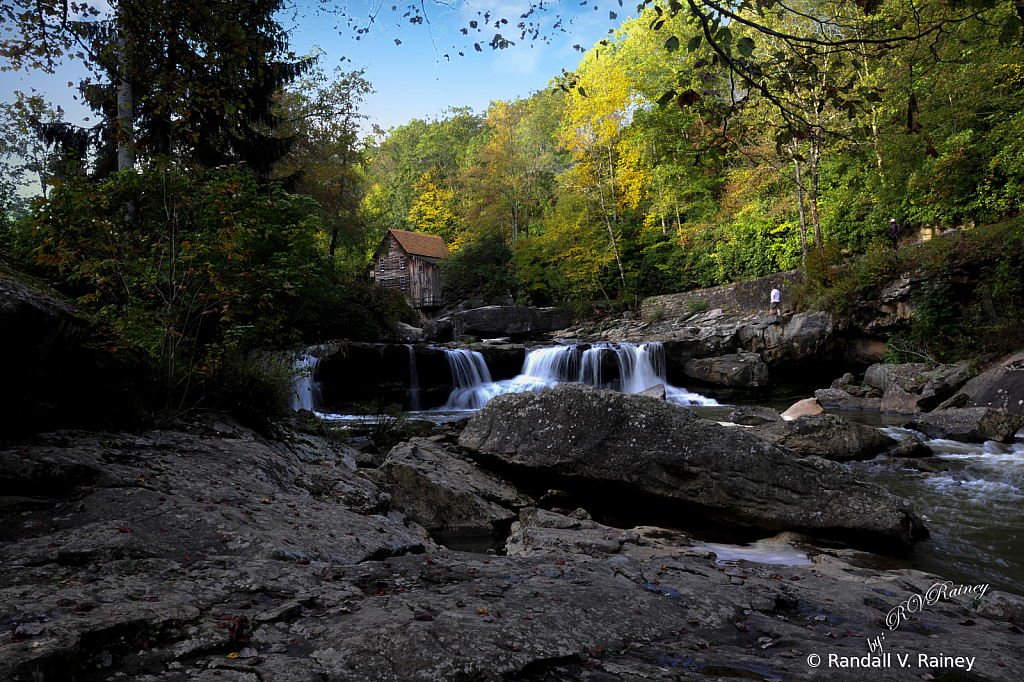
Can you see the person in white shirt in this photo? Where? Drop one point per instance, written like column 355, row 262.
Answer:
column 775, row 307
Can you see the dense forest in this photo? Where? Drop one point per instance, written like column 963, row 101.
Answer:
column 229, row 199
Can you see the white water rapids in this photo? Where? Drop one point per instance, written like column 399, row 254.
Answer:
column 639, row 367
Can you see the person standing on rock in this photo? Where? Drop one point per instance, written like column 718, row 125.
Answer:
column 775, row 307
column 894, row 235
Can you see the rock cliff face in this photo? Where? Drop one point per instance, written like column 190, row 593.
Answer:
column 584, row 440
column 516, row 322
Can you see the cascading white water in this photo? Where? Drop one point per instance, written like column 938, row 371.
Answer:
column 415, row 403
column 305, row 390
column 470, row 374
column 640, row 367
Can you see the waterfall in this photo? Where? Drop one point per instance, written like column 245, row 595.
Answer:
column 414, row 383
column 305, row 390
column 470, row 375
column 640, row 367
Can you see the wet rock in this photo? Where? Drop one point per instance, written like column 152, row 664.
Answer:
column 737, row 369
column 831, row 398
column 753, row 415
column 968, row 424
column 597, row 441
column 656, row 392
column 828, row 436
column 802, row 408
column 898, row 401
column 842, row 382
column 443, row 493
column 909, row 446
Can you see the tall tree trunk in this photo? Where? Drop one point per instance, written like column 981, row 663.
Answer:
column 125, row 103
column 611, row 237
column 815, row 217
column 803, row 222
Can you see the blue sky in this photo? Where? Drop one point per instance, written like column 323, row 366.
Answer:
column 413, row 79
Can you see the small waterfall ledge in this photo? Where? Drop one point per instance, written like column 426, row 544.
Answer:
column 305, row 389
column 640, row 366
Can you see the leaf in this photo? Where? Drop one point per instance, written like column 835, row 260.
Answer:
column 672, row 44
column 666, row 98
column 583, row 93
column 745, row 46
column 693, row 43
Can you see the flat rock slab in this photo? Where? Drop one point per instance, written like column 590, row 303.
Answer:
column 968, row 424
column 384, row 606
column 608, row 444
column 443, row 493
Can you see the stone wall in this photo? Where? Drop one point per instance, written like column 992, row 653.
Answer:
column 749, row 296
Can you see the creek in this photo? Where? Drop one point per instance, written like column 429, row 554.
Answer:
column 974, row 509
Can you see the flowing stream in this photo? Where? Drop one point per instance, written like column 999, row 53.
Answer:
column 974, row 510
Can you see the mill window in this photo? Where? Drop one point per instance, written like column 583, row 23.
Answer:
column 401, row 263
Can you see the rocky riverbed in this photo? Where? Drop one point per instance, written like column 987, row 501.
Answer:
column 214, row 552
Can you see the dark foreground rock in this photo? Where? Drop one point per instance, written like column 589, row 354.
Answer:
column 828, row 436
column 167, row 557
column 968, row 424
column 599, row 443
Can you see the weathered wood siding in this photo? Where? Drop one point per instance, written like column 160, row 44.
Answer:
column 418, row 279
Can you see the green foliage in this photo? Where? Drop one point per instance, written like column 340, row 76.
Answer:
column 481, row 271
column 696, row 305
column 176, row 261
column 254, row 387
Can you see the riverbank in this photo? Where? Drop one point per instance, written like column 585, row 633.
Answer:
column 216, row 552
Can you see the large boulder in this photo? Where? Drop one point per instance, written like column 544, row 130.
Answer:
column 543, row 532
column 968, row 424
column 737, row 369
column 496, row 321
column 445, row 494
column 779, row 340
column 1001, row 387
column 910, row 377
column 827, row 436
column 898, row 401
column 833, row 398
column 604, row 446
column 803, row 408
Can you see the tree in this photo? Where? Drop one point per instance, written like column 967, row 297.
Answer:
column 327, row 156
column 202, row 77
